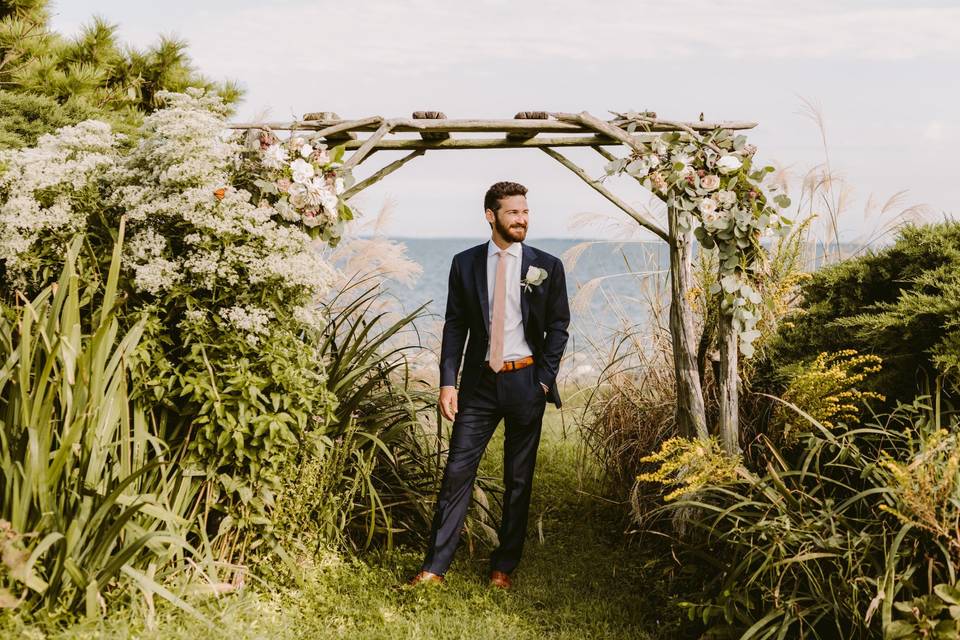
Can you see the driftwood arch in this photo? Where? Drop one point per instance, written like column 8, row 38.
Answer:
column 548, row 132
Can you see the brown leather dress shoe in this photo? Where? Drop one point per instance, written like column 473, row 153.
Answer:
column 424, row 576
column 500, row 579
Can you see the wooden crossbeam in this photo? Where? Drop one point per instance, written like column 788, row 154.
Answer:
column 408, row 144
column 404, row 125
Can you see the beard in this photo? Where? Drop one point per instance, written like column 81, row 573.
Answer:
column 516, row 233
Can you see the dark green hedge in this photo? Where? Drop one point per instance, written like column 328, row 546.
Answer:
column 901, row 302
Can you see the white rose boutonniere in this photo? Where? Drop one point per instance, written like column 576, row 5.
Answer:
column 534, row 278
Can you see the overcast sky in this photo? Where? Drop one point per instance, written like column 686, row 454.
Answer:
column 884, row 75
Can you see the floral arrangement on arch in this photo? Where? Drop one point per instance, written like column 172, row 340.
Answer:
column 302, row 180
column 710, row 184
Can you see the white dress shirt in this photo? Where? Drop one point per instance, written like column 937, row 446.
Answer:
column 514, row 341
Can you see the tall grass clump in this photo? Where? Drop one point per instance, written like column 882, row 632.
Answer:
column 366, row 477
column 825, row 542
column 91, row 500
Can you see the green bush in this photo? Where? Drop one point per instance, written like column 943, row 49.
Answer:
column 901, row 303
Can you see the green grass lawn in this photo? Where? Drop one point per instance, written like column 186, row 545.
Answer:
column 578, row 579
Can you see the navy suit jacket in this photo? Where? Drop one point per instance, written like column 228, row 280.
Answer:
column 545, row 311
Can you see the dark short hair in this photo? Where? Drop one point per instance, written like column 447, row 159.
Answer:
column 501, row 190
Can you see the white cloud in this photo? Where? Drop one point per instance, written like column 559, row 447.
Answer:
column 422, row 37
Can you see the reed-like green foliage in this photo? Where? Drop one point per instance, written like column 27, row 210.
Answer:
column 368, row 475
column 90, row 498
column 823, row 543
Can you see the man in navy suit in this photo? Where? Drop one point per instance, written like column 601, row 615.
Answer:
column 507, row 304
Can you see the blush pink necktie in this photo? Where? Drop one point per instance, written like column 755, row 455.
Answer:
column 499, row 307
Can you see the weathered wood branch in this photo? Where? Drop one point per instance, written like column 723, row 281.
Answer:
column 402, row 125
column 606, row 154
column 691, row 412
column 381, row 174
column 630, row 211
column 605, row 128
column 408, row 144
column 431, row 115
column 368, row 145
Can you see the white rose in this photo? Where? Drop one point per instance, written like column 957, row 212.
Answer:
column 298, row 195
column 305, row 151
column 726, row 198
column 274, row 156
column 728, row 164
column 710, row 182
column 302, row 171
column 708, row 206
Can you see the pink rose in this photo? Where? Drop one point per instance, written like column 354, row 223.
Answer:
column 710, row 182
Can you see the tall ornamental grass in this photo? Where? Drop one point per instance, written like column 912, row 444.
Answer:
column 90, row 498
column 838, row 539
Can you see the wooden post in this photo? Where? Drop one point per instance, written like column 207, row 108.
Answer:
column 691, row 414
column 729, row 377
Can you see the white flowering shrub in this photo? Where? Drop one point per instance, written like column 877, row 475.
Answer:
column 46, row 195
column 711, row 186
column 221, row 258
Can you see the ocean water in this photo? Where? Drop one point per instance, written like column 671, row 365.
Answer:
column 608, row 283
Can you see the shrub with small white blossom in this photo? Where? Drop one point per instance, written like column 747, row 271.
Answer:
column 222, row 257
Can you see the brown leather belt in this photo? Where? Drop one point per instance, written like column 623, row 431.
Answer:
column 513, row 365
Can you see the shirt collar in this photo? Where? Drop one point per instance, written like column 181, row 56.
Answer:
column 514, row 249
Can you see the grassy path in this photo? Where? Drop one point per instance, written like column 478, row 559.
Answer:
column 576, row 581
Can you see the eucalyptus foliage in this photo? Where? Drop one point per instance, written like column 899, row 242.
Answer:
column 710, row 184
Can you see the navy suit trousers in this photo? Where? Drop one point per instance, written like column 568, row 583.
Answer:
column 517, row 398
